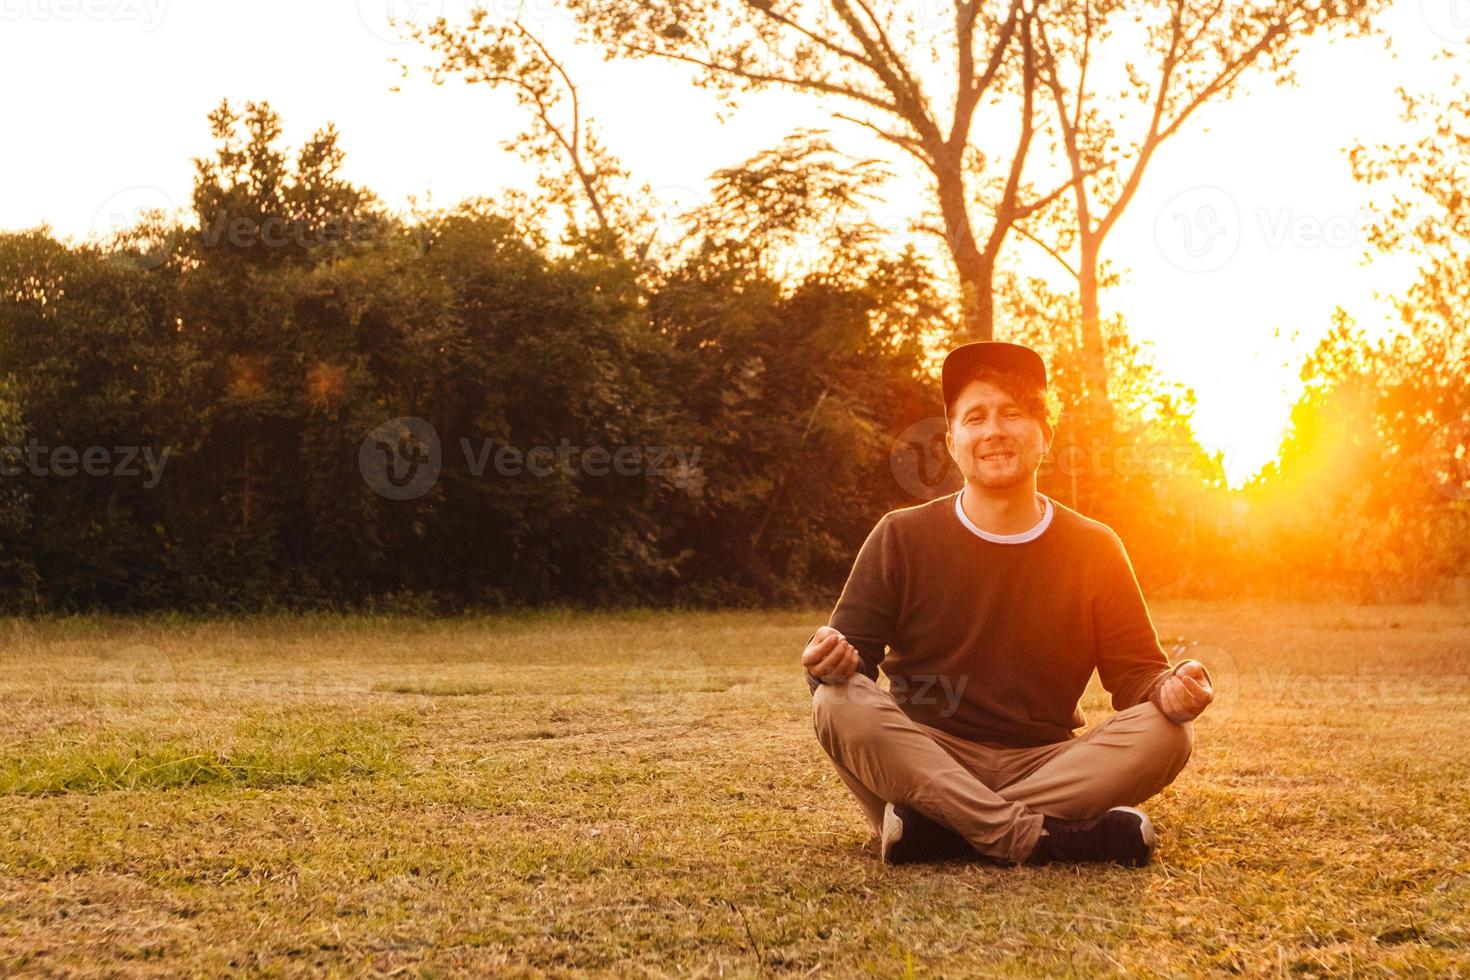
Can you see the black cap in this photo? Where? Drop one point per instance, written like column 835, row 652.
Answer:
column 961, row 364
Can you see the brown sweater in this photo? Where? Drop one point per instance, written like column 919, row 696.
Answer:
column 996, row 642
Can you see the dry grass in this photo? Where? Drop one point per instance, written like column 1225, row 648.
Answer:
column 641, row 793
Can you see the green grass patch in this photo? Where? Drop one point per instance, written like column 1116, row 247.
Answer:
column 436, row 689
column 258, row 753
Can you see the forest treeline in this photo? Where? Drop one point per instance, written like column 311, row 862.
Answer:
column 293, row 397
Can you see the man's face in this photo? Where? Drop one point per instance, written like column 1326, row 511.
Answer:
column 992, row 439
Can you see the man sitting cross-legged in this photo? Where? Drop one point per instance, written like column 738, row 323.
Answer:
column 989, row 609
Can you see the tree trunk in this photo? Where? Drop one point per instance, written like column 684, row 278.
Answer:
column 977, row 320
column 1094, row 358
column 974, row 270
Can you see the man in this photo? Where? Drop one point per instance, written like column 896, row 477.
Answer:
column 989, row 609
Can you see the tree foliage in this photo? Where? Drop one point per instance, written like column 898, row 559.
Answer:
column 259, row 363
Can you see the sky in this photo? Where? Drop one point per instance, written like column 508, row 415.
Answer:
column 1245, row 236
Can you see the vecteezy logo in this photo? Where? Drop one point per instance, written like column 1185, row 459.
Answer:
column 1450, row 19
column 401, row 458
column 920, row 461
column 1446, row 460
column 661, row 681
column 1198, row 230
column 134, row 676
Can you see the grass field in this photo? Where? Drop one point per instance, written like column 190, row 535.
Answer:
column 642, row 793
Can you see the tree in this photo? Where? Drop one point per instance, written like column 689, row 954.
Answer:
column 1427, row 214
column 18, row 579
column 1372, row 484
column 877, row 64
column 801, row 191
column 1172, row 57
column 255, row 211
column 509, row 55
column 1155, row 484
column 98, row 367
column 796, row 388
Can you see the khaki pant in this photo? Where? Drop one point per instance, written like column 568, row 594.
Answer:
column 993, row 796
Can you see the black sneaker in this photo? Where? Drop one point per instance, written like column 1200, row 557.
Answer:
column 1123, row 835
column 910, row 836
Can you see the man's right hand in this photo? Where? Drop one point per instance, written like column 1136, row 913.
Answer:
column 829, row 657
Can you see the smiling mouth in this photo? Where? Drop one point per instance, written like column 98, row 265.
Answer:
column 997, row 457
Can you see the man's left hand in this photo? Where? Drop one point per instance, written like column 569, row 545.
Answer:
column 1187, row 693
